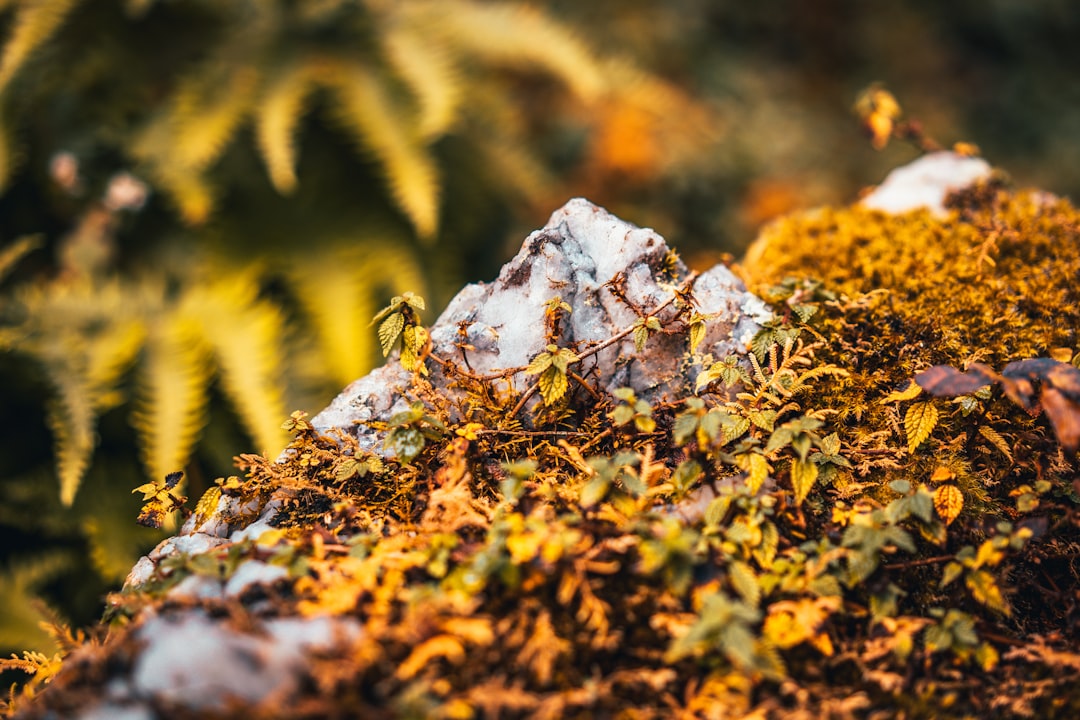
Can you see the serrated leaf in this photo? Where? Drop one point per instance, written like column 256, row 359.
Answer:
column 919, row 421
column 765, row 552
column 804, row 474
column 744, row 581
column 757, row 467
column 985, row 590
column 830, row 444
column 622, row 415
column 413, row 340
column 641, row 336
column 764, row 419
column 539, row 364
column 553, row 385
column 390, row 330
column 685, row 427
column 948, row 502
column 413, row 300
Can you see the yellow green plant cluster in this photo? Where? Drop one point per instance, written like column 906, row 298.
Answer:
column 225, row 194
column 807, row 535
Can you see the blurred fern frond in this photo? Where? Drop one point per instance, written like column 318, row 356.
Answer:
column 86, row 336
column 393, row 74
column 171, row 393
column 35, row 22
column 19, row 586
column 341, row 293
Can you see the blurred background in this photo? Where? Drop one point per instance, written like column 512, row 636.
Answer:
column 204, row 202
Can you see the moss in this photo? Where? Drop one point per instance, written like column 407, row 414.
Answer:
column 996, row 280
column 827, row 541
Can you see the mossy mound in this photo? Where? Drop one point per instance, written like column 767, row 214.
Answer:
column 829, row 542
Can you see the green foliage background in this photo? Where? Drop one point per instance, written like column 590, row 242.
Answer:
column 740, row 113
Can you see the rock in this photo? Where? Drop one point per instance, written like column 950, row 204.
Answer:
column 573, row 257
column 926, row 182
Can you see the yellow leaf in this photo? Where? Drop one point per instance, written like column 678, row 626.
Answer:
column 277, row 115
column 757, row 468
column 919, row 421
column 697, row 334
column 791, row 622
column 446, row 646
column 171, row 399
column 948, row 501
column 390, row 331
column 367, row 107
column 942, row 474
column 908, row 393
column 804, row 474
column 744, row 580
column 984, row 589
column 553, row 385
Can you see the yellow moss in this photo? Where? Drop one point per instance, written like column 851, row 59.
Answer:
column 997, row 277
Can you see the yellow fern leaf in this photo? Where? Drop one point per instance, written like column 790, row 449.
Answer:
column 340, row 290
column 22, row 616
column 521, row 171
column 34, row 24
column 108, row 355
column 516, row 35
column 84, row 369
column 367, row 108
column 205, row 115
column 277, row 115
column 426, row 66
column 192, row 194
column 14, row 252
column 71, row 417
column 245, row 334
column 170, row 407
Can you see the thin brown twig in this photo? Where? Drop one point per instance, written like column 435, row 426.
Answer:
column 915, row 563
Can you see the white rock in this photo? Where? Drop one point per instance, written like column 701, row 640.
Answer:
column 926, row 182
column 253, row 572
column 199, row 664
column 579, row 251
